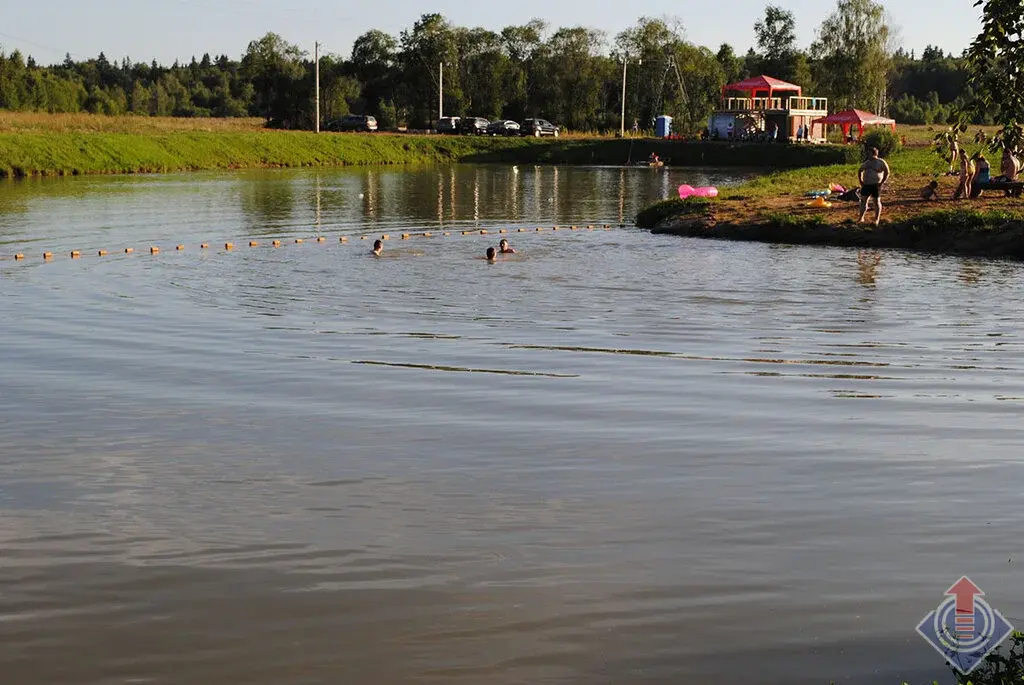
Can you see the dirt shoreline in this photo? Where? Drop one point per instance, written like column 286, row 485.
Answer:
column 991, row 226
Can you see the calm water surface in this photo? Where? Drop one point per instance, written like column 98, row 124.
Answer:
column 611, row 458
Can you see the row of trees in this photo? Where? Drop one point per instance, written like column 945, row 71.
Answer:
column 571, row 75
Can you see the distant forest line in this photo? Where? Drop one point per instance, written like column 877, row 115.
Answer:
column 570, row 75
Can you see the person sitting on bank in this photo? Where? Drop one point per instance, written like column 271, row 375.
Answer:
column 930, row 191
column 653, row 159
column 1009, row 167
column 505, row 248
column 982, row 174
column 873, row 175
column 378, row 247
column 491, row 255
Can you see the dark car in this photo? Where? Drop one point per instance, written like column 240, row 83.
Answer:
column 473, row 125
column 448, row 125
column 353, row 122
column 504, row 127
column 538, row 128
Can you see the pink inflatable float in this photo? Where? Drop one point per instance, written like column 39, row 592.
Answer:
column 686, row 191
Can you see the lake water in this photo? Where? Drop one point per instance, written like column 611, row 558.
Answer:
column 612, row 457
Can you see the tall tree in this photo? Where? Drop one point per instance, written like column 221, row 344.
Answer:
column 852, row 53
column 275, row 66
column 430, row 43
column 996, row 62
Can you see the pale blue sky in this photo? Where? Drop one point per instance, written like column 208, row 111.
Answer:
column 178, row 29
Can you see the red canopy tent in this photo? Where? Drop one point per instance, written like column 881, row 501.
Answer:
column 858, row 118
column 756, row 85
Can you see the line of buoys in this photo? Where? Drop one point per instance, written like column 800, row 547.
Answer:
column 76, row 254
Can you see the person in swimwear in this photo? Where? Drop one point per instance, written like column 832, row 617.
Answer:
column 873, row 175
column 491, row 254
column 378, row 247
column 505, row 248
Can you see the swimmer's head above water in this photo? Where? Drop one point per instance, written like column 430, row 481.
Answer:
column 378, row 247
column 490, row 254
column 505, row 247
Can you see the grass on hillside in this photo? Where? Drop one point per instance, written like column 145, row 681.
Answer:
column 40, row 122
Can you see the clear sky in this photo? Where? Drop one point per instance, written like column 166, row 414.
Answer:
column 178, row 29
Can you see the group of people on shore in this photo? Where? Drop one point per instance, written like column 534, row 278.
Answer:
column 975, row 175
column 491, row 254
column 976, row 170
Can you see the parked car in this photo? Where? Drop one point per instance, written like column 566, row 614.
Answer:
column 448, row 125
column 353, row 122
column 503, row 128
column 473, row 125
column 538, row 128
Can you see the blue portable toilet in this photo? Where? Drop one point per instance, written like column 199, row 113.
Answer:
column 663, row 126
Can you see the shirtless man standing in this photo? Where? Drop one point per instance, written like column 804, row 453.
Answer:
column 873, row 175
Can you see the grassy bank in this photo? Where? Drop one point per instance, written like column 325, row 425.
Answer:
column 43, row 144
column 775, row 208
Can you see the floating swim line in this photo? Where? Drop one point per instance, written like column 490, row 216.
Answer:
column 48, row 256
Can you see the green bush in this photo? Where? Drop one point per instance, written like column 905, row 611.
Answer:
column 884, row 139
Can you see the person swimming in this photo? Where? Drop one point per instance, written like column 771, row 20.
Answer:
column 505, row 248
column 490, row 254
column 378, row 247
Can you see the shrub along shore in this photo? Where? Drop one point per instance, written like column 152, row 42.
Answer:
column 38, row 151
column 776, row 209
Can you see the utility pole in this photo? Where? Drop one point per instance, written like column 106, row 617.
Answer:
column 622, row 121
column 440, row 91
column 316, row 95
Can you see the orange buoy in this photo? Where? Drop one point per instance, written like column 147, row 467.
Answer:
column 362, row 237
column 483, row 231
column 298, row 240
column 385, row 237
column 405, row 236
column 129, row 250
column 47, row 255
column 276, row 243
column 18, row 257
column 446, row 233
column 154, row 250
column 253, row 243
column 427, row 234
column 204, row 245
column 102, row 253
column 521, row 230
column 75, row 254
column 320, row 238
column 539, row 229
column 502, row 230
column 229, row 246
column 342, row 239
column 180, row 248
